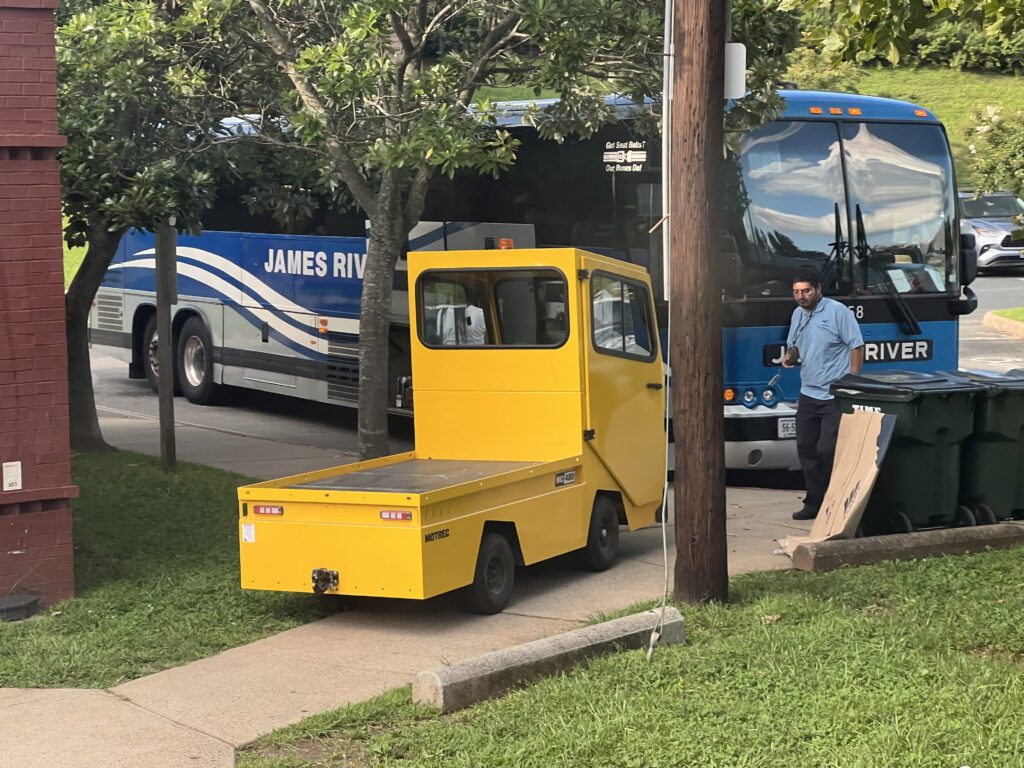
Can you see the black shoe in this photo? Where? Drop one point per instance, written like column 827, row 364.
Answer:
column 805, row 514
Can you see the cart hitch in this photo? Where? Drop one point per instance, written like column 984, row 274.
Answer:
column 324, row 580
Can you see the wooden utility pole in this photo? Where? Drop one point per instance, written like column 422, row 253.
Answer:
column 166, row 296
column 699, row 31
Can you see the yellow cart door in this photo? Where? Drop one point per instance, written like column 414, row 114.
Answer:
column 626, row 382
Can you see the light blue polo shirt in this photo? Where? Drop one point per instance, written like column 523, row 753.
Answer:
column 827, row 337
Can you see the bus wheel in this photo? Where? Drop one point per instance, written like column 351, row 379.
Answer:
column 195, row 363
column 602, row 537
column 150, row 354
column 494, row 577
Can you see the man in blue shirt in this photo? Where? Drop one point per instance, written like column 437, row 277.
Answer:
column 825, row 341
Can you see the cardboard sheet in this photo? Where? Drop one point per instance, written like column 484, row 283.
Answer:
column 863, row 440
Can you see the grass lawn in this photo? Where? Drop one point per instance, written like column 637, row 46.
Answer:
column 156, row 565
column 952, row 95
column 1014, row 314
column 900, row 664
column 72, row 261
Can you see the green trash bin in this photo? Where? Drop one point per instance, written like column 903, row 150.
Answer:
column 992, row 470
column 918, row 485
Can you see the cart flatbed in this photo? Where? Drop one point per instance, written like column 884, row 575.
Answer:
column 414, row 476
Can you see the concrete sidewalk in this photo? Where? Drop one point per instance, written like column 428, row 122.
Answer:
column 199, row 713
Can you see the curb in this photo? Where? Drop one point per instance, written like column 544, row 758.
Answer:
column 490, row 675
column 1004, row 324
column 829, row 555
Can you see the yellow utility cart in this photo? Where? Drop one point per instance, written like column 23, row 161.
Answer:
column 540, row 429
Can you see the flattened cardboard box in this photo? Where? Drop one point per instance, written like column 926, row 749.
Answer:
column 863, row 440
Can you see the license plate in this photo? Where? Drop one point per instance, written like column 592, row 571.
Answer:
column 787, row 427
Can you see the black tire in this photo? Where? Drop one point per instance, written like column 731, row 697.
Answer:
column 965, row 518
column 149, row 354
column 900, row 523
column 495, row 575
column 984, row 515
column 194, row 363
column 602, row 536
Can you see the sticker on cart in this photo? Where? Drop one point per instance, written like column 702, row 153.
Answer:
column 248, row 533
column 565, row 478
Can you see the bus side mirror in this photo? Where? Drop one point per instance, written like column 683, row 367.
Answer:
column 968, row 259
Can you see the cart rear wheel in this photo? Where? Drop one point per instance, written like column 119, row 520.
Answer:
column 602, row 537
column 495, row 575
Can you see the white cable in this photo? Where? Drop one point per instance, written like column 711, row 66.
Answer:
column 666, row 243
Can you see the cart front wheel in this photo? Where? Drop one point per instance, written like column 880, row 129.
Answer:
column 495, row 575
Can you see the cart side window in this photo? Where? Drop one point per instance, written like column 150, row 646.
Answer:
column 493, row 308
column 621, row 318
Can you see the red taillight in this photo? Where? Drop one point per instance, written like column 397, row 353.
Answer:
column 264, row 509
column 395, row 514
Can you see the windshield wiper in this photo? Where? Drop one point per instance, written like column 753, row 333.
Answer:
column 835, row 256
column 865, row 253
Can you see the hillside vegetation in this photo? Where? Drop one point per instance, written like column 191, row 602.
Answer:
column 950, row 94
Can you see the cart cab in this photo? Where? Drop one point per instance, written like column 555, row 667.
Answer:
column 538, row 355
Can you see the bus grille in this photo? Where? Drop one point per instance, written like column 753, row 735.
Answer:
column 110, row 312
column 342, row 367
column 342, row 378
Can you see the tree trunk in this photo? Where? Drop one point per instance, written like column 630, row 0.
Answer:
column 701, row 572
column 387, row 237
column 84, row 424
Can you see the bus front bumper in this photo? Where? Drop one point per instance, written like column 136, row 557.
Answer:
column 761, row 437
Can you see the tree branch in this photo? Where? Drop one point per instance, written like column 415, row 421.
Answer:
column 350, row 173
column 497, row 39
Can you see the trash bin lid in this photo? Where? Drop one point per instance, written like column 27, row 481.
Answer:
column 995, row 380
column 901, row 383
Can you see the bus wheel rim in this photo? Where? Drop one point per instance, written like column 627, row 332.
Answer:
column 153, row 354
column 195, row 361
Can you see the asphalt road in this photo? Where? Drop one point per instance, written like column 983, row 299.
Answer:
column 986, row 348
column 300, row 423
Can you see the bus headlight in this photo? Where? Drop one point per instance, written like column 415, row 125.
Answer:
column 768, row 397
column 749, row 397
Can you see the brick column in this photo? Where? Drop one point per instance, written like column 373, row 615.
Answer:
column 35, row 519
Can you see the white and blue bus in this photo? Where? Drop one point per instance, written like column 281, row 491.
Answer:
column 862, row 188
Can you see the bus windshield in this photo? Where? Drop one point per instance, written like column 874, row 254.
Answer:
column 883, row 191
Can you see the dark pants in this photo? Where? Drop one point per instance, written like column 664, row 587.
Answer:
column 817, row 427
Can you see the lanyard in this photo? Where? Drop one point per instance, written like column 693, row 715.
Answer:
column 801, row 326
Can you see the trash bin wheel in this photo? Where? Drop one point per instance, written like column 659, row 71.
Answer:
column 984, row 515
column 900, row 523
column 965, row 518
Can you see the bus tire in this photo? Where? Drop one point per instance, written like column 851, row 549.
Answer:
column 150, row 351
column 195, row 362
column 602, row 536
column 494, row 577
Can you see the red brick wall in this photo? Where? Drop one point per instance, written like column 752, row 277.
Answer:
column 35, row 521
